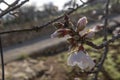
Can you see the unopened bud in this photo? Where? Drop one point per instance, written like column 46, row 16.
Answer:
column 81, row 23
column 60, row 33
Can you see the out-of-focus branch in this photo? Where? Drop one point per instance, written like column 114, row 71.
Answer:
column 103, row 57
column 13, row 4
column 44, row 25
column 2, row 59
column 10, row 13
column 12, row 7
column 103, row 44
column 3, row 1
column 82, row 1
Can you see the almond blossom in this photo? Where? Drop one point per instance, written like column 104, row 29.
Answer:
column 82, row 60
column 76, row 40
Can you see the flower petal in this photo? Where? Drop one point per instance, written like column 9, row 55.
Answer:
column 71, row 60
column 81, row 59
column 60, row 33
column 55, row 34
column 90, row 62
column 90, row 34
column 97, row 28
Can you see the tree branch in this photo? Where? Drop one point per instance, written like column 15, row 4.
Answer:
column 2, row 59
column 103, row 44
column 36, row 28
column 103, row 57
column 12, row 7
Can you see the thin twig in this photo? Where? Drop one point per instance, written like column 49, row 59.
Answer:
column 82, row 1
column 103, row 44
column 12, row 7
column 44, row 25
column 2, row 59
column 103, row 57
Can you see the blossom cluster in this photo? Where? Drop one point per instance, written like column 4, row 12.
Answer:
column 76, row 35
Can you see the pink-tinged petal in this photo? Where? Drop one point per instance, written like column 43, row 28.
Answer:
column 97, row 28
column 55, row 34
column 81, row 23
column 82, row 60
column 90, row 34
column 60, row 33
column 71, row 60
column 90, row 62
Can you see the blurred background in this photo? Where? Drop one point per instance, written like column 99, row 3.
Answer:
column 35, row 56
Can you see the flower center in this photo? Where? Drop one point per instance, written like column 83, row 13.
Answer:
column 76, row 37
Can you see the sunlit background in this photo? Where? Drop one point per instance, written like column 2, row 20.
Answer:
column 39, row 3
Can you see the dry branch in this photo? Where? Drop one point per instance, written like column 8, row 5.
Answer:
column 103, row 44
column 12, row 7
column 36, row 28
column 103, row 57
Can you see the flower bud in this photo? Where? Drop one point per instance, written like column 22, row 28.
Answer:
column 60, row 33
column 81, row 23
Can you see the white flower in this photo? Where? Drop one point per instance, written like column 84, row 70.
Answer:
column 81, row 23
column 82, row 60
